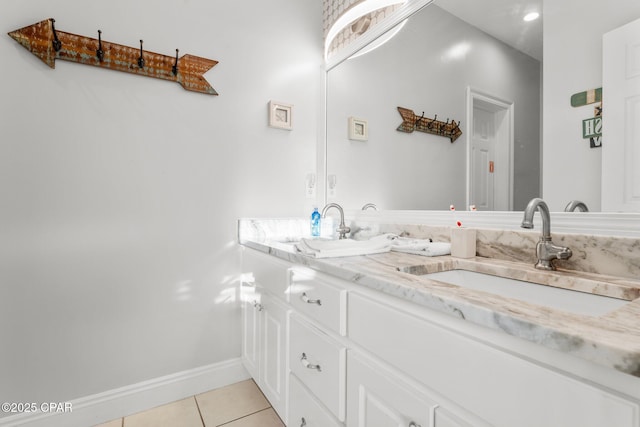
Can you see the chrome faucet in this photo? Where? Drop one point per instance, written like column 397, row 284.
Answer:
column 546, row 250
column 369, row 205
column 342, row 228
column 576, row 204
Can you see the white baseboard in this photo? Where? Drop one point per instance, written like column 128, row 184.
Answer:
column 102, row 407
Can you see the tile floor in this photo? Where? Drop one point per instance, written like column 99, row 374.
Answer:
column 237, row 405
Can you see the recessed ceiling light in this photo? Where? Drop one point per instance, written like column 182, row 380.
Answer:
column 531, row 16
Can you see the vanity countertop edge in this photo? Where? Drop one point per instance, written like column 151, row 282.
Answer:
column 612, row 340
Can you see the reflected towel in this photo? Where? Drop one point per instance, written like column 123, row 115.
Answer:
column 319, row 248
column 423, row 247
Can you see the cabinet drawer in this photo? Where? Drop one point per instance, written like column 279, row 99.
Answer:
column 314, row 296
column 265, row 271
column 319, row 362
column 305, row 410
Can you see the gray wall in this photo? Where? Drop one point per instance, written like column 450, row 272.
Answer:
column 119, row 194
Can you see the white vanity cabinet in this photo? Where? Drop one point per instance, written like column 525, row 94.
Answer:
column 329, row 352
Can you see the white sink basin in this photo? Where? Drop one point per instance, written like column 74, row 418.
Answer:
column 548, row 296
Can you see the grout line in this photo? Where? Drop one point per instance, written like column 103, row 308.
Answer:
column 199, row 412
column 244, row 416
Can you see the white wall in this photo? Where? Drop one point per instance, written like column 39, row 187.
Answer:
column 119, row 194
column 427, row 67
column 572, row 63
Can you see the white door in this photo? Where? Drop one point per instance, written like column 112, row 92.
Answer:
column 621, row 119
column 490, row 170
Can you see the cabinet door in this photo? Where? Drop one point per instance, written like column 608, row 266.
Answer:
column 251, row 296
column 377, row 397
column 273, row 373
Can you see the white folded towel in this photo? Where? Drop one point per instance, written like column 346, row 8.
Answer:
column 423, row 247
column 319, row 248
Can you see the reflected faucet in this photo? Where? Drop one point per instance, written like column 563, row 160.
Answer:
column 342, row 228
column 369, row 205
column 576, row 204
column 546, row 250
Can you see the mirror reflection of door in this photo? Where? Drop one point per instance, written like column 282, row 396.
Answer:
column 621, row 123
column 490, row 159
column 483, row 145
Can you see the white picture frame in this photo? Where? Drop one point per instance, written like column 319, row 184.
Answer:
column 280, row 115
column 358, row 129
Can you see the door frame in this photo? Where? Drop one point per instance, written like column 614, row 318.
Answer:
column 505, row 138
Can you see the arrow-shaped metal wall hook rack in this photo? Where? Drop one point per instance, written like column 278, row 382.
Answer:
column 411, row 122
column 47, row 43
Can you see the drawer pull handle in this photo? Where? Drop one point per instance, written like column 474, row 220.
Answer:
column 306, row 299
column 303, row 422
column 308, row 365
column 257, row 305
column 413, row 424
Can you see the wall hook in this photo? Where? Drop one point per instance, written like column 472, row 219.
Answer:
column 57, row 44
column 99, row 51
column 430, row 125
column 174, row 69
column 141, row 58
column 444, row 126
column 418, row 119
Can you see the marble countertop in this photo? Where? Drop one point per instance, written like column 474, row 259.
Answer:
column 612, row 340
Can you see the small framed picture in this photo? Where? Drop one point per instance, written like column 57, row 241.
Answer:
column 280, row 115
column 358, row 129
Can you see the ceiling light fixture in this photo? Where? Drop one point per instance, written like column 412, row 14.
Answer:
column 531, row 16
column 359, row 10
column 380, row 40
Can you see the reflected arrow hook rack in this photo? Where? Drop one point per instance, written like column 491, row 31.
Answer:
column 47, row 43
column 411, row 121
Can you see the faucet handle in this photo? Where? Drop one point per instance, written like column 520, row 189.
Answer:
column 343, row 231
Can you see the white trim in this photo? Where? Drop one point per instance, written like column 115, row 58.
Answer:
column 113, row 404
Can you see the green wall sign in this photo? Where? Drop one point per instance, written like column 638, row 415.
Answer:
column 592, row 127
